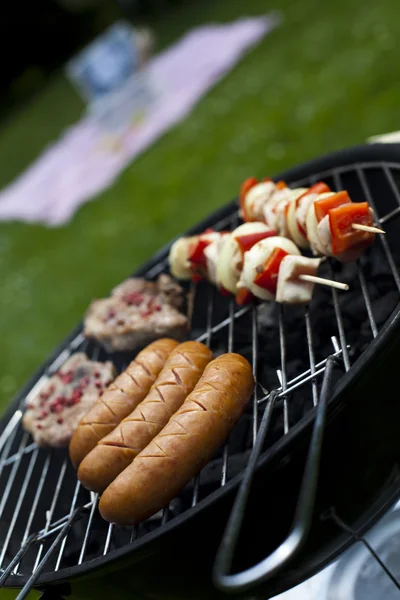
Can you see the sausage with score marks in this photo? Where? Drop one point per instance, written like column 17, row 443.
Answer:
column 116, row 451
column 189, row 440
column 120, row 398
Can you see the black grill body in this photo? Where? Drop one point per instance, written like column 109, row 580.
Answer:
column 172, row 556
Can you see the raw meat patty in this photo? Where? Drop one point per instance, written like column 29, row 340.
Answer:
column 137, row 313
column 54, row 413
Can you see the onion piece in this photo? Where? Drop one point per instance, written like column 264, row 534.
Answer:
column 230, row 261
column 179, row 257
column 255, row 258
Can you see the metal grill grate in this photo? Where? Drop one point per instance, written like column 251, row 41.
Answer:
column 41, row 495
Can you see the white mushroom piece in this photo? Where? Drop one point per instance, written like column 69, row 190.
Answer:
column 292, row 289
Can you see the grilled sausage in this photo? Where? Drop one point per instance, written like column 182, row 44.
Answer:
column 184, row 446
column 120, row 398
column 117, row 450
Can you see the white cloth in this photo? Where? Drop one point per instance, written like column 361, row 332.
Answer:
column 80, row 164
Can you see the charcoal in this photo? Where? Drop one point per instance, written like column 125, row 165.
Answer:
column 384, row 296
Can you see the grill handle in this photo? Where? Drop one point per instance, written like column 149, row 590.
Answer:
column 270, row 565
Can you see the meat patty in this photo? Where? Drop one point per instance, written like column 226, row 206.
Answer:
column 54, row 413
column 137, row 313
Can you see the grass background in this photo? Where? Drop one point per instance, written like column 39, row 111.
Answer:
column 327, row 78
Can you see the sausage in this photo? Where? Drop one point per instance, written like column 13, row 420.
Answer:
column 120, row 398
column 116, row 451
column 184, row 446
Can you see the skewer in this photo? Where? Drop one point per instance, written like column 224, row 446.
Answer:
column 323, row 281
column 313, row 278
column 319, row 280
column 367, row 228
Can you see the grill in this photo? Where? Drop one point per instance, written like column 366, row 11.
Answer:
column 50, row 529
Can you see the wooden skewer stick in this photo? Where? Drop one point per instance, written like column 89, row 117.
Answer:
column 323, row 281
column 367, row 228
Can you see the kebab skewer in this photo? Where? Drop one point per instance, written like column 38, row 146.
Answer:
column 274, row 270
column 222, row 259
column 196, row 257
column 233, row 249
column 328, row 222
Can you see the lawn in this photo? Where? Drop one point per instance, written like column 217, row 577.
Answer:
column 326, row 79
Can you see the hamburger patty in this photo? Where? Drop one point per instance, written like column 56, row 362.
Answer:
column 53, row 414
column 137, row 313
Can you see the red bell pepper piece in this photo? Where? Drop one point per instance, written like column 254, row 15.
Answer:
column 286, row 209
column 196, row 278
column 198, row 261
column 301, row 229
column 280, row 185
column 197, row 255
column 268, row 279
column 317, row 188
column 224, row 291
column 341, row 220
column 244, row 296
column 247, row 241
column 245, row 188
column 324, row 206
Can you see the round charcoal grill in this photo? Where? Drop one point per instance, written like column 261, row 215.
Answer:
column 51, row 534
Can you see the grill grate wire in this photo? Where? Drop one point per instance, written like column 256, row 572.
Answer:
column 20, row 458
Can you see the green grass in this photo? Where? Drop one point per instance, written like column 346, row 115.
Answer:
column 328, row 78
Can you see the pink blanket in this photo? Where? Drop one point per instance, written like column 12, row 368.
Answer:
column 79, row 165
